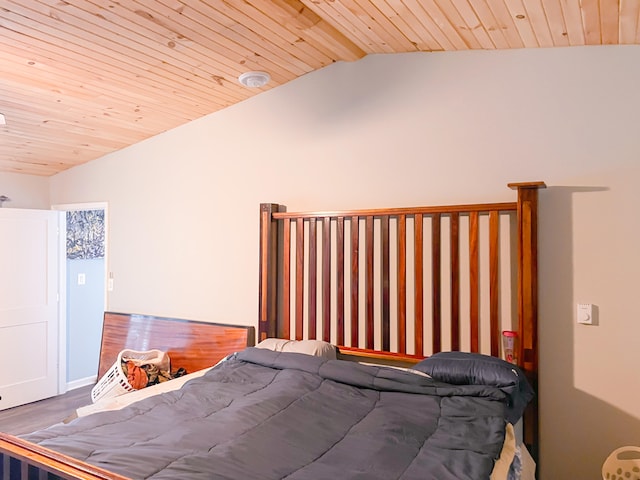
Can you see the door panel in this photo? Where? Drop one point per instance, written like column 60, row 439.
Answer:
column 28, row 305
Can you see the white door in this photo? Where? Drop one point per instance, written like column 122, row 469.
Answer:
column 28, row 305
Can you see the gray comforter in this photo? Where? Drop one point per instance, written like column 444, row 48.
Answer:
column 268, row 415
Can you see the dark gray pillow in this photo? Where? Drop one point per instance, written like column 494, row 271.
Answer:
column 461, row 368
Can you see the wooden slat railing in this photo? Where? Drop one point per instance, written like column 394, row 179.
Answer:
column 321, row 254
column 388, row 275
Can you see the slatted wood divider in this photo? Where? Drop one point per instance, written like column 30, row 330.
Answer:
column 315, row 272
column 358, row 281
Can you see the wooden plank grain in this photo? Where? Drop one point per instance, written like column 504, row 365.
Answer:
column 340, row 300
column 386, row 307
column 474, row 283
column 355, row 279
column 494, row 292
column 326, row 279
column 436, row 285
column 402, row 284
column 369, row 283
column 192, row 345
column 312, row 321
column 454, row 249
column 300, row 297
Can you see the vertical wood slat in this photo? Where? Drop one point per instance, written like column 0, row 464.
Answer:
column 455, row 280
column 386, row 308
column 402, row 284
column 284, row 325
column 340, row 281
column 474, row 283
column 313, row 280
column 369, row 282
column 355, row 277
column 300, row 279
column 267, row 296
column 418, row 269
column 326, row 279
column 494, row 320
column 436, row 288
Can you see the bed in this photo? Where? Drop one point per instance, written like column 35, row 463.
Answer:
column 426, row 287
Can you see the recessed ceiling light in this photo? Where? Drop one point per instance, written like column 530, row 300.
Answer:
column 254, row 79
column 3, row 121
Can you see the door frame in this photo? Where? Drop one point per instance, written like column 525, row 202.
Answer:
column 62, row 260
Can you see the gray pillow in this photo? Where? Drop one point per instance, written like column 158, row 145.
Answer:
column 461, row 368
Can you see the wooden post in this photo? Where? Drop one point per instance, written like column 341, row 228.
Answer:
column 528, row 300
column 267, row 321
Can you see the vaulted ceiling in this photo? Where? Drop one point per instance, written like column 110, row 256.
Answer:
column 82, row 78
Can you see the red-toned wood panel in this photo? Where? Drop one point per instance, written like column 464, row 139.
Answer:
column 418, row 272
column 326, row 279
column 313, row 278
column 494, row 293
column 355, row 278
column 386, row 308
column 369, row 282
column 402, row 284
column 340, row 280
column 436, row 288
column 284, row 322
column 191, row 345
column 25, row 460
column 474, row 283
column 454, row 240
column 299, row 278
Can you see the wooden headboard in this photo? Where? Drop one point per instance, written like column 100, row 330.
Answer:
column 405, row 283
column 190, row 344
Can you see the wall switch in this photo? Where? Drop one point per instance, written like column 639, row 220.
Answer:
column 110, row 282
column 585, row 314
column 82, row 279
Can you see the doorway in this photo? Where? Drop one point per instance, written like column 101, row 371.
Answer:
column 84, row 263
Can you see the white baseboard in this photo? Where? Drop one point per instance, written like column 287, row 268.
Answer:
column 81, row 382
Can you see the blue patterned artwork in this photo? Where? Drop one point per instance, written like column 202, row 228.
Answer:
column 85, row 234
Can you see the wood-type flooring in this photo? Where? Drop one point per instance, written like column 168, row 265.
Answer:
column 38, row 415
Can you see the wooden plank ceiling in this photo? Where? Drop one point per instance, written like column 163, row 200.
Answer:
column 82, row 78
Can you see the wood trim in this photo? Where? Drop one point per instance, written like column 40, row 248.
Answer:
column 436, row 288
column 355, row 281
column 326, row 279
column 454, row 241
column 369, row 283
column 30, row 456
column 299, row 279
column 312, row 311
column 494, row 242
column 474, row 283
column 528, row 301
column 340, row 280
column 386, row 307
column 393, row 212
column 268, row 271
column 402, row 284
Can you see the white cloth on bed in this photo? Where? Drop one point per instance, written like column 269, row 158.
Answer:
column 121, row 401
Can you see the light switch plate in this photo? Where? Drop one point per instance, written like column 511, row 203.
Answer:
column 585, row 313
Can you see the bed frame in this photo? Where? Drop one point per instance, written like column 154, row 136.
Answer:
column 374, row 283
column 190, row 344
column 363, row 281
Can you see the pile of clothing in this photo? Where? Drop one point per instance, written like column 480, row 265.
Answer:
column 143, row 373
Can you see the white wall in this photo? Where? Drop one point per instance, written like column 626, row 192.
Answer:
column 404, row 130
column 24, row 191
